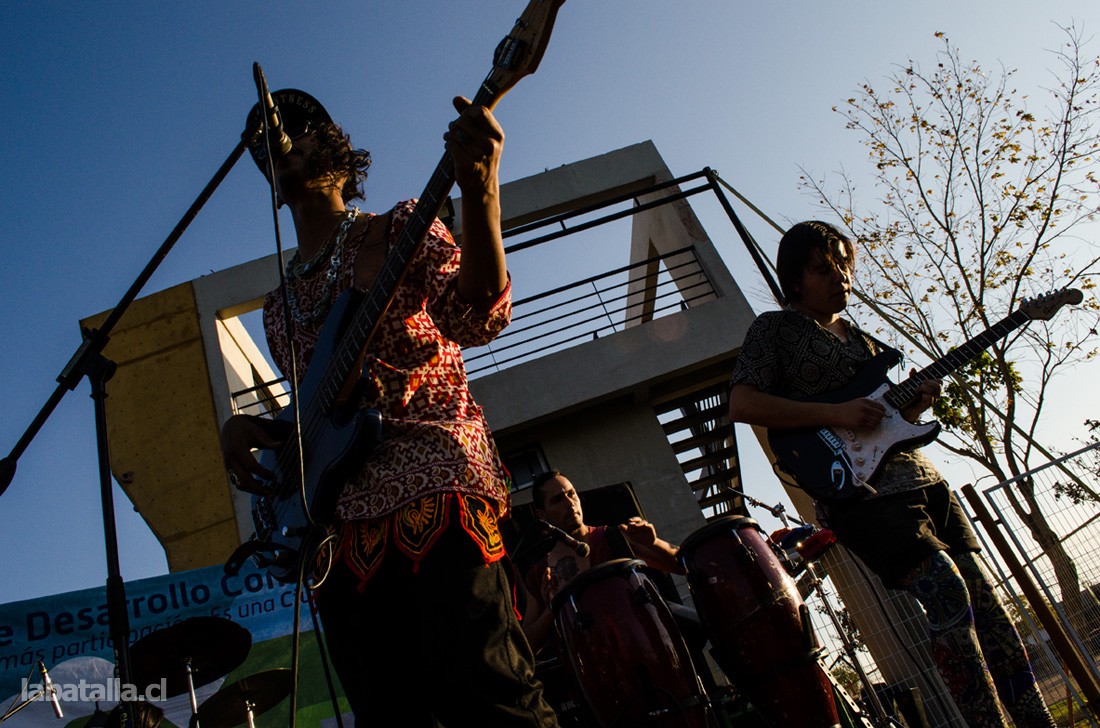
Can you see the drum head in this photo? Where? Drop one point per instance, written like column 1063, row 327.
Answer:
column 596, row 574
column 725, row 524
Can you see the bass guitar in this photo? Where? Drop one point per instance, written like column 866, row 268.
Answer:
column 840, row 464
column 336, row 438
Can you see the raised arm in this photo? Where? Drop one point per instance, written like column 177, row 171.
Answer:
column 475, row 141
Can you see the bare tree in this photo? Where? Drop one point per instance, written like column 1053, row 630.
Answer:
column 981, row 197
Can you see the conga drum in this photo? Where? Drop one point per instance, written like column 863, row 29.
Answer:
column 563, row 695
column 757, row 623
column 625, row 650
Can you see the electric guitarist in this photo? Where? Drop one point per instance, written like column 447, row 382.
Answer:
column 911, row 530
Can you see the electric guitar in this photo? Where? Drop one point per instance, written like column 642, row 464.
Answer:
column 840, row 464
column 336, row 437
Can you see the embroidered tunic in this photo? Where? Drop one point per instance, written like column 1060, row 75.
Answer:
column 436, row 447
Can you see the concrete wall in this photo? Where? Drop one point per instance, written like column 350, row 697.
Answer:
column 617, row 441
column 163, row 428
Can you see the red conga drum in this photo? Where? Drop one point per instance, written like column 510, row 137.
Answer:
column 625, row 650
column 757, row 623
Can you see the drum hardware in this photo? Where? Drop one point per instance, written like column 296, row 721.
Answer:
column 810, row 543
column 561, row 692
column 754, row 675
column 242, row 701
column 808, row 637
column 744, row 554
column 757, row 623
column 879, row 714
column 695, row 701
column 189, row 654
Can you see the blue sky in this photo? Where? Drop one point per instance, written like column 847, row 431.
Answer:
column 116, row 114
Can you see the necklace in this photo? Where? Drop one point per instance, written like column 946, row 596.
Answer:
column 298, row 269
column 334, row 248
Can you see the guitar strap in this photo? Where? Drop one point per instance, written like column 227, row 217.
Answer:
column 879, row 344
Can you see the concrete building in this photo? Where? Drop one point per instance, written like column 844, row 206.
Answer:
column 634, row 395
column 614, row 377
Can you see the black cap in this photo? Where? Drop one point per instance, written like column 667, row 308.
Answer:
column 296, row 109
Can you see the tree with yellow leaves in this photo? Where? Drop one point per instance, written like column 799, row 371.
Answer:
column 981, row 197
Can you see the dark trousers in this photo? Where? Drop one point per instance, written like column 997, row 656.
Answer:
column 439, row 646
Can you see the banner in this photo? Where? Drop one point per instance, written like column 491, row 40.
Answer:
column 69, row 633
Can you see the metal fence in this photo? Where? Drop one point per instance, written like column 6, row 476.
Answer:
column 1051, row 517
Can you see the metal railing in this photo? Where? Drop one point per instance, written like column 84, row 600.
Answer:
column 596, row 306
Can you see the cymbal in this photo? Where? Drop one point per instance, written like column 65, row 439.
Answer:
column 215, row 647
column 228, row 707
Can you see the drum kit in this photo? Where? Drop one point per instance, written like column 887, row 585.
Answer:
column 620, row 642
column 198, row 651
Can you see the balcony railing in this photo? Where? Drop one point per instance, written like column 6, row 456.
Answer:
column 580, row 311
column 597, row 306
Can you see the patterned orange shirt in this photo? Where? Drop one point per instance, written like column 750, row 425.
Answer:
column 435, row 438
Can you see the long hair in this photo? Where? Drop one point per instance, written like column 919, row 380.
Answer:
column 797, row 246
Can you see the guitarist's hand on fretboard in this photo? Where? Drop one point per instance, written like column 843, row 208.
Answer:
column 927, row 393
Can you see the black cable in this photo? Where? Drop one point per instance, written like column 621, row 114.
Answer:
column 296, row 633
column 321, row 647
column 288, row 320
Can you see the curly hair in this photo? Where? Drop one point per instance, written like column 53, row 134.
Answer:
column 335, row 154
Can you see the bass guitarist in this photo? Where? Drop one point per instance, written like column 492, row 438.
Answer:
column 911, row 530
column 417, row 609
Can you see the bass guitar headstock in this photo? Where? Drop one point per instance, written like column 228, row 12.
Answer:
column 520, row 52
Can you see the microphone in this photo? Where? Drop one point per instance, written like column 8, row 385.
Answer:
column 549, row 531
column 280, row 142
column 48, row 687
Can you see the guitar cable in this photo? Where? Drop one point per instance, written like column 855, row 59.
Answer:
column 329, row 541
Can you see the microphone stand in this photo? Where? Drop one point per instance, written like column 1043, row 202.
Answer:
column 778, row 510
column 88, row 361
